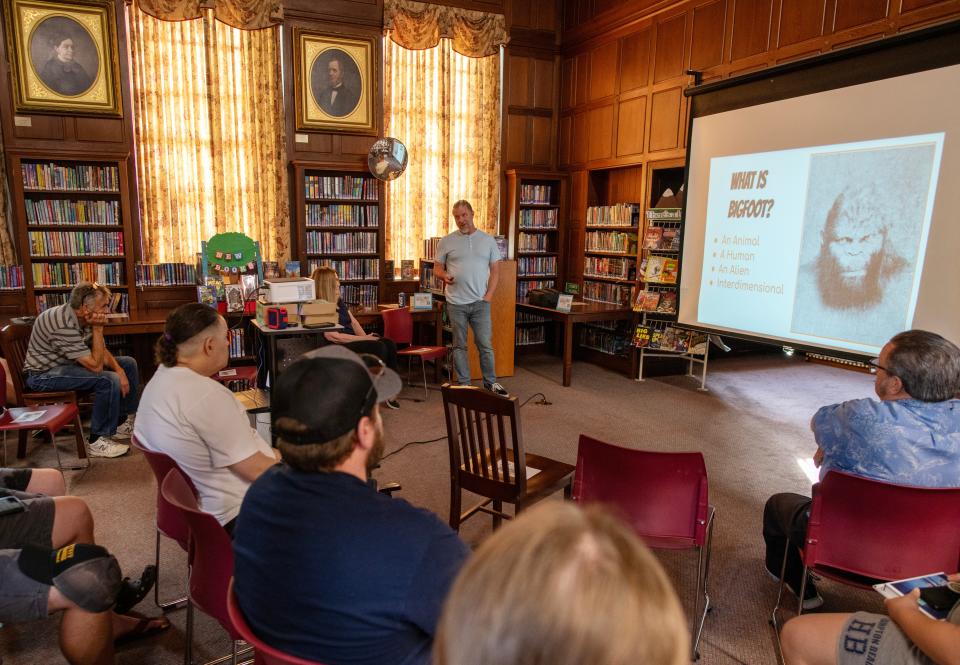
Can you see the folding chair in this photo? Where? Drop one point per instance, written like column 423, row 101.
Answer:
column 264, row 653
column 14, row 338
column 864, row 531
column 487, row 457
column 170, row 521
column 663, row 496
column 398, row 326
column 211, row 563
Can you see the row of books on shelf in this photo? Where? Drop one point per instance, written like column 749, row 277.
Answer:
column 119, row 302
column 663, row 238
column 617, row 294
column 68, row 274
column 11, row 277
column 661, row 302
column 340, row 187
column 619, row 214
column 533, row 242
column 428, row 280
column 604, row 341
column 530, row 317
column 78, row 177
column 360, row 242
column 611, row 241
column 238, row 342
column 166, row 274
column 342, row 215
column 610, row 267
column 537, row 265
column 538, row 219
column 536, row 194
column 669, row 338
column 531, row 335
column 659, row 269
column 71, row 243
column 359, row 295
column 64, row 212
column 527, row 285
column 349, row 269
column 430, row 246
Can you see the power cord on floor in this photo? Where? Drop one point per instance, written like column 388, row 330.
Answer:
column 542, row 401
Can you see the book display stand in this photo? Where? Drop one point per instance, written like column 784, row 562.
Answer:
column 659, row 276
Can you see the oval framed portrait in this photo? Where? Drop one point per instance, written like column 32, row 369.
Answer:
column 335, row 82
column 64, row 55
column 335, row 87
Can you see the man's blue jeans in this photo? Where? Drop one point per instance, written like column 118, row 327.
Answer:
column 109, row 407
column 477, row 316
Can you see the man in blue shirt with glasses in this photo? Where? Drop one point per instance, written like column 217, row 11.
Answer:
column 910, row 437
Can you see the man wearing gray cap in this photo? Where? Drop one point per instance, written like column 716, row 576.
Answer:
column 326, row 568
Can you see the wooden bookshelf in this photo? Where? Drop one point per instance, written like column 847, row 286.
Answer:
column 73, row 222
column 536, row 225
column 339, row 223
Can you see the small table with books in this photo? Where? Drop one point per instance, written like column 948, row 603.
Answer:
column 580, row 312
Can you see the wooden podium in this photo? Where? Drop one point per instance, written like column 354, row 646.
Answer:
column 503, row 313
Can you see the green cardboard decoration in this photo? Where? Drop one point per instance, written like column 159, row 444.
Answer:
column 231, row 254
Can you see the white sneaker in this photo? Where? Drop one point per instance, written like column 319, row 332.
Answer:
column 124, row 429
column 106, row 447
column 498, row 389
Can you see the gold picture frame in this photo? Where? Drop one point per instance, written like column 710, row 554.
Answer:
column 63, row 56
column 335, row 85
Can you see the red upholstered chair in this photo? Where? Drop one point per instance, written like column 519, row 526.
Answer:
column 864, row 531
column 485, row 441
column 211, row 560
column 663, row 496
column 170, row 521
column 14, row 338
column 398, row 326
column 264, row 654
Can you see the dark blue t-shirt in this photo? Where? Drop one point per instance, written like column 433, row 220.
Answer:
column 343, row 316
column 329, row 570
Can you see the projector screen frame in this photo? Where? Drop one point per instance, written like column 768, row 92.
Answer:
column 907, row 53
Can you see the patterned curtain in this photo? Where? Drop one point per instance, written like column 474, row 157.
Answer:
column 209, row 124
column 445, row 107
column 244, row 14
column 8, row 252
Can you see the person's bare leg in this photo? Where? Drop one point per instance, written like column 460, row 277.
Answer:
column 811, row 639
column 72, row 521
column 123, row 624
column 86, row 638
column 47, row 481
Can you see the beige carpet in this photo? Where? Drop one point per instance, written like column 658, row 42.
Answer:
column 751, row 426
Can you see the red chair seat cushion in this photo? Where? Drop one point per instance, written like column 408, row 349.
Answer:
column 425, row 352
column 55, row 417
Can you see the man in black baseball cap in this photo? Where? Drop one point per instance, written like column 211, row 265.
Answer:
column 325, row 567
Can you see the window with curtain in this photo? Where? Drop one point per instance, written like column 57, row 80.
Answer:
column 442, row 100
column 209, row 124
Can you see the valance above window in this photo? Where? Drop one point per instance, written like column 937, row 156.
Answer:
column 242, row 14
column 420, row 25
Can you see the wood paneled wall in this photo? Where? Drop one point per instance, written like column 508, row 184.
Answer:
column 624, row 64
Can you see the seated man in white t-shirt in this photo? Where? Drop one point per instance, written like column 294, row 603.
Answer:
column 195, row 420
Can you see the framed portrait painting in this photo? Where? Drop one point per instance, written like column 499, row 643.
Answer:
column 63, row 56
column 335, row 83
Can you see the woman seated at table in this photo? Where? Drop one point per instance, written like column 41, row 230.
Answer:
column 328, row 289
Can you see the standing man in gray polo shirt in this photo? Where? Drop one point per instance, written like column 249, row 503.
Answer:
column 467, row 262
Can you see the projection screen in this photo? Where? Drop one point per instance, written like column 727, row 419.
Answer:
column 823, row 199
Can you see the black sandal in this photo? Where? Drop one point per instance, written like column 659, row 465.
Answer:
column 133, row 591
column 143, row 629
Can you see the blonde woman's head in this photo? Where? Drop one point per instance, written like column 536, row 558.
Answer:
column 328, row 283
column 561, row 585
